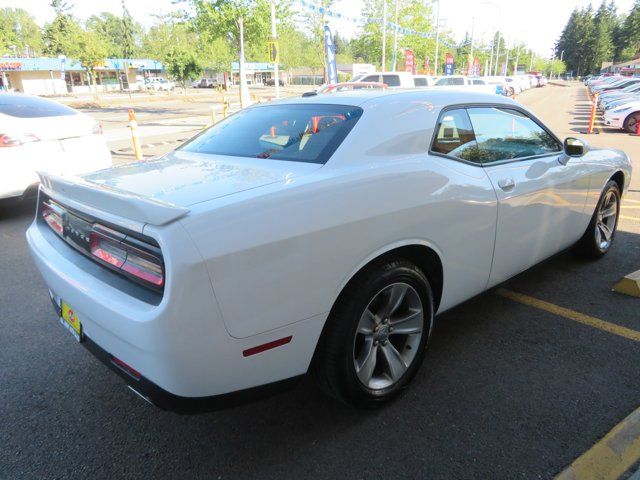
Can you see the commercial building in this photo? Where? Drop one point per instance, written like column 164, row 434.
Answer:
column 57, row 76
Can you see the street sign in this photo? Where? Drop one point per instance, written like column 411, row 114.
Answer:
column 274, row 52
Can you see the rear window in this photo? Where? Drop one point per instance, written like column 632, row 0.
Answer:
column 296, row 133
column 24, row 106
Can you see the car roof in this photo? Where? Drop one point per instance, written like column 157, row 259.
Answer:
column 434, row 95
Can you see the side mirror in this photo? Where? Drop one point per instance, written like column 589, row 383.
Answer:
column 574, row 147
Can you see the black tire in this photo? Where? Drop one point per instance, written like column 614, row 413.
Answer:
column 333, row 365
column 631, row 122
column 588, row 246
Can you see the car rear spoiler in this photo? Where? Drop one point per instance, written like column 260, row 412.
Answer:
column 121, row 204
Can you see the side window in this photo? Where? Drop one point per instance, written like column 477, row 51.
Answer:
column 391, row 80
column 420, row 82
column 505, row 134
column 478, row 82
column 454, row 135
column 456, row 81
column 371, row 78
column 442, row 81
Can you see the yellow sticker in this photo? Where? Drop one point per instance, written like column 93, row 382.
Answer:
column 71, row 318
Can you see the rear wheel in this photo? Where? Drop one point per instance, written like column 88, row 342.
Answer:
column 598, row 238
column 374, row 340
column 631, row 122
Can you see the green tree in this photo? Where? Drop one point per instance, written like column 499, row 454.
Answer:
column 19, row 32
column 630, row 33
column 129, row 47
column 63, row 35
column 605, row 23
column 182, row 65
column 91, row 53
column 108, row 28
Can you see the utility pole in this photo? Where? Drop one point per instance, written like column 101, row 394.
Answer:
column 530, row 59
column 245, row 100
column 506, row 63
column 495, row 71
column 395, row 38
column 274, row 34
column 493, row 41
column 473, row 22
column 384, row 35
column 437, row 37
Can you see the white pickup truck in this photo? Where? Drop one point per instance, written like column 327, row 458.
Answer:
column 472, row 83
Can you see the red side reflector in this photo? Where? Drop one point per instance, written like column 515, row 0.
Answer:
column 266, row 346
column 126, row 368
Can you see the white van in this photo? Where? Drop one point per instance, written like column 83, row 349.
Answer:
column 472, row 83
column 391, row 79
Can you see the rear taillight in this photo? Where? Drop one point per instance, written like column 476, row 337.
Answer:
column 53, row 216
column 97, row 129
column 139, row 260
column 9, row 140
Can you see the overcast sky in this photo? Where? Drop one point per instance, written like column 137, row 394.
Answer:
column 536, row 22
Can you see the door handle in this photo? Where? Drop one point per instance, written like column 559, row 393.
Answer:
column 506, row 184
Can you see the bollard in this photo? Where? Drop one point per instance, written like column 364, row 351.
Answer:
column 592, row 116
column 213, row 114
column 225, row 107
column 133, row 124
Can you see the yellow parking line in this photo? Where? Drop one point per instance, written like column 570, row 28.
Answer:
column 570, row 314
column 624, row 207
column 637, row 219
column 628, row 200
column 613, row 455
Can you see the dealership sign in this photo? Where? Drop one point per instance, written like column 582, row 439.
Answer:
column 449, row 65
column 409, row 61
column 10, row 65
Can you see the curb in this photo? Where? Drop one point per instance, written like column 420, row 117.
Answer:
column 612, row 456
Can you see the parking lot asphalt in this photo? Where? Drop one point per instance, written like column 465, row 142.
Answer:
column 508, row 390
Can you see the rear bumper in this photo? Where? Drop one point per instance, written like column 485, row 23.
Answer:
column 165, row 400
column 180, row 345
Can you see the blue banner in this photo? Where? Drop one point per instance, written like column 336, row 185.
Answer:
column 330, row 54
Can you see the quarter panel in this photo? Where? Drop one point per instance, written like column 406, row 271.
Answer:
column 282, row 255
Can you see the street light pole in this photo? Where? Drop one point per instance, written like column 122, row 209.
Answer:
column 244, row 89
column 488, row 73
column 384, row 35
column 395, row 37
column 495, row 71
column 437, row 37
column 473, row 22
column 274, row 34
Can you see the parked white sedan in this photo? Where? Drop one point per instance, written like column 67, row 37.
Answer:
column 318, row 235
column 41, row 135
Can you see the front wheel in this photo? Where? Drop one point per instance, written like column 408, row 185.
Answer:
column 598, row 238
column 374, row 340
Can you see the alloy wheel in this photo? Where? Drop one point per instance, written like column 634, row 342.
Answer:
column 606, row 220
column 388, row 336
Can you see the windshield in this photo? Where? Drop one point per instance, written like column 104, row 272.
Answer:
column 297, row 133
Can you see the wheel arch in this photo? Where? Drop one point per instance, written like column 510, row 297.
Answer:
column 423, row 255
column 618, row 177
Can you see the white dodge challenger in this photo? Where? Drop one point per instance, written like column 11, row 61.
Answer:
column 316, row 235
